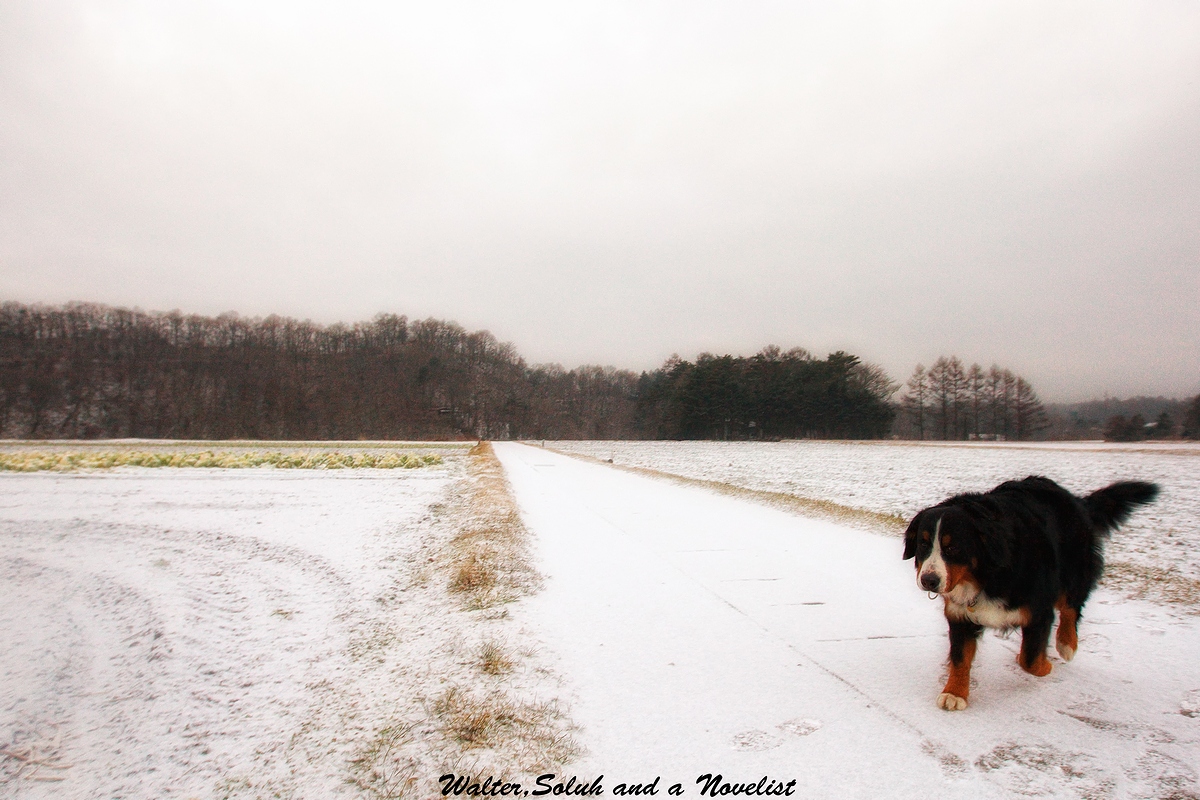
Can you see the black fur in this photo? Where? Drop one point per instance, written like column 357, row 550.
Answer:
column 1028, row 540
column 1027, row 543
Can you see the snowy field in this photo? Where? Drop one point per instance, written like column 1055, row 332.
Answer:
column 902, row 478
column 171, row 633
column 254, row 633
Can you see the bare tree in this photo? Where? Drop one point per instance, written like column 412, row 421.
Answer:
column 916, row 397
column 976, row 381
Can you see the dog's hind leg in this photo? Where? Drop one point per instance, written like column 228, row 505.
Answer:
column 1066, row 641
column 964, row 637
column 1035, row 636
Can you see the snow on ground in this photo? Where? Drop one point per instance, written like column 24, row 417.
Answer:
column 170, row 627
column 245, row 633
column 224, row 633
column 706, row 634
column 903, row 477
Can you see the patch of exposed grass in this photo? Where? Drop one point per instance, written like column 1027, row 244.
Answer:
column 383, row 768
column 494, row 719
column 874, row 521
column 460, row 696
column 70, row 461
column 489, row 561
column 16, row 445
column 1156, row 584
column 493, row 659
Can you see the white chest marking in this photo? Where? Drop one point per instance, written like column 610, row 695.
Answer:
column 988, row 612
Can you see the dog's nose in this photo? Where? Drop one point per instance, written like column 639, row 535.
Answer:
column 930, row 582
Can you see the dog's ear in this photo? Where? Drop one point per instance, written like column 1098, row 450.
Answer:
column 910, row 537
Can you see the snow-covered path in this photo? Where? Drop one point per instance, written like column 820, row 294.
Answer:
column 704, row 634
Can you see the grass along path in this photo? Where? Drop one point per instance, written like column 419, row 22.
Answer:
column 874, row 521
column 73, row 461
column 480, row 707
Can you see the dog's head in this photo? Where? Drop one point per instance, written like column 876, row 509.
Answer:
column 951, row 547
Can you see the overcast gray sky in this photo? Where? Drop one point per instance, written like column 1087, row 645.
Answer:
column 613, row 182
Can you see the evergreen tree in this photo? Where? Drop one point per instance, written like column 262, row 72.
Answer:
column 1191, row 420
column 1164, row 426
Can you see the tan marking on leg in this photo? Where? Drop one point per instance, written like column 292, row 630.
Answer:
column 1066, row 640
column 958, row 686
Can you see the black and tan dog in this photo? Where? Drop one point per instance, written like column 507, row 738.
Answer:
column 1008, row 558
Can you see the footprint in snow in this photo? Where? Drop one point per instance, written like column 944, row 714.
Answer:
column 756, row 740
column 800, row 727
column 1096, row 644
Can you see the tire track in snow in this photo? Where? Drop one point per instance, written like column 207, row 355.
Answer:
column 172, row 661
column 113, row 676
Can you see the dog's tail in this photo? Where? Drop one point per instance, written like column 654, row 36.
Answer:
column 1109, row 507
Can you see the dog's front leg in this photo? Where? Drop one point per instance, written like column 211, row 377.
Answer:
column 964, row 637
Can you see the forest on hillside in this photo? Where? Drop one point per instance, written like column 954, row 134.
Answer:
column 770, row 395
column 94, row 371
column 84, row 371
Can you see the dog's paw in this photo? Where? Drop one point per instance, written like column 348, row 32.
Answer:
column 1065, row 651
column 951, row 702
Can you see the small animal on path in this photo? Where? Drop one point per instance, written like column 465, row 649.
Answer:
column 1009, row 558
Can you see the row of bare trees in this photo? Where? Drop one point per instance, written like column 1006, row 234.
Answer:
column 86, row 370
column 950, row 401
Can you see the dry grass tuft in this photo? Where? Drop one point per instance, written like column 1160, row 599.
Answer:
column 493, row 659
column 475, row 573
column 493, row 720
column 69, row 461
column 383, row 769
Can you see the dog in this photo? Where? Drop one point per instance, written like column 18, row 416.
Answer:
column 1009, row 558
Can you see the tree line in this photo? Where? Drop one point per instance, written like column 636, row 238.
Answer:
column 94, row 371
column 1136, row 428
column 90, row 371
column 770, row 395
column 951, row 401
